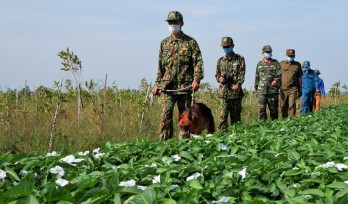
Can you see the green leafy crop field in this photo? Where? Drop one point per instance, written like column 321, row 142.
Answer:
column 297, row 160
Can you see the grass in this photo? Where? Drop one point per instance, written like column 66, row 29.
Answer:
column 26, row 119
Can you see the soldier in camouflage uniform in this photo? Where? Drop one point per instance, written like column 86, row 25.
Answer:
column 267, row 82
column 180, row 65
column 230, row 73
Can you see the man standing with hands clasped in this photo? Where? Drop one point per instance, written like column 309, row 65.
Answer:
column 291, row 84
column 230, row 73
column 267, row 81
column 180, row 67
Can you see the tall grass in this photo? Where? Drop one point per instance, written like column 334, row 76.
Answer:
column 112, row 115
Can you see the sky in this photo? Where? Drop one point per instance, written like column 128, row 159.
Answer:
column 122, row 38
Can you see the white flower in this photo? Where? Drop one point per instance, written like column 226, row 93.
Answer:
column 96, row 150
column 195, row 136
column 223, row 147
column 52, row 154
column 172, row 187
column 97, row 155
column 243, row 173
column 307, row 196
column 23, row 173
column 275, row 193
column 141, row 187
column 61, row 182
column 2, row 174
column 295, row 168
column 193, row 176
column 294, row 185
column 175, row 157
column 326, row 165
column 222, row 200
column 282, row 129
column 340, row 167
column 282, row 174
column 57, row 170
column 154, row 165
column 127, row 183
column 156, row 179
column 167, row 160
column 346, row 182
column 345, row 158
column 309, row 116
column 71, row 160
column 316, row 174
column 210, row 135
column 83, row 153
column 5, row 164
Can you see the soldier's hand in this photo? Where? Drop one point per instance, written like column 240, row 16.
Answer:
column 299, row 94
column 222, row 80
column 236, row 87
column 155, row 90
column 195, row 85
column 274, row 83
column 257, row 95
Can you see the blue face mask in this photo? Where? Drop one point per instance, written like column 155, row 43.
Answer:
column 291, row 59
column 228, row 50
column 268, row 55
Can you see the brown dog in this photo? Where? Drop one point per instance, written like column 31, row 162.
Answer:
column 196, row 119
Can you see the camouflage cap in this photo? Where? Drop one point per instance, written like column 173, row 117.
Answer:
column 174, row 16
column 267, row 48
column 290, row 52
column 317, row 72
column 306, row 64
column 226, row 41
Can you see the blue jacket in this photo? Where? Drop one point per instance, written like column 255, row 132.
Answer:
column 310, row 81
column 321, row 86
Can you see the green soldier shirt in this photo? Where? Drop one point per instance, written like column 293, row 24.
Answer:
column 291, row 72
column 265, row 74
column 233, row 70
column 180, row 62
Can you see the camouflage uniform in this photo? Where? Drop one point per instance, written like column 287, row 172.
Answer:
column 290, row 85
column 180, row 63
column 232, row 68
column 267, row 94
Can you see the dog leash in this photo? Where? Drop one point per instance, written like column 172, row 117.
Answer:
column 169, row 91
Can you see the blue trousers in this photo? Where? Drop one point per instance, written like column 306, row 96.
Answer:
column 307, row 101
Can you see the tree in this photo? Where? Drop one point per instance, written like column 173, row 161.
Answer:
column 73, row 64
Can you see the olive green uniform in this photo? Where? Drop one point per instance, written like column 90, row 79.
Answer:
column 290, row 90
column 180, row 63
column 232, row 68
column 267, row 94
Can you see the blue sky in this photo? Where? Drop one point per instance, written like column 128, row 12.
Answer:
column 122, row 38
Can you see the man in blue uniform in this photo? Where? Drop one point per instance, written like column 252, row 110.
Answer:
column 310, row 85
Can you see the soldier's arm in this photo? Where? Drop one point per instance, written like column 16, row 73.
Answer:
column 160, row 69
column 241, row 73
column 197, row 60
column 257, row 78
column 277, row 76
column 299, row 76
column 218, row 71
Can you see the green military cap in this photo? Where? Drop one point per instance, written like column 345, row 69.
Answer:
column 174, row 16
column 226, row 41
column 267, row 48
column 317, row 72
column 290, row 52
